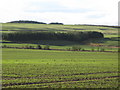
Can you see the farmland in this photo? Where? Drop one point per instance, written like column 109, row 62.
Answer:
column 10, row 27
column 64, row 69
column 110, row 43
column 60, row 67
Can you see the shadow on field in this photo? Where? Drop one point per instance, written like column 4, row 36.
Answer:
column 56, row 42
column 46, row 42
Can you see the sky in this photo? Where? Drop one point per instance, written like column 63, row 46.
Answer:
column 99, row 12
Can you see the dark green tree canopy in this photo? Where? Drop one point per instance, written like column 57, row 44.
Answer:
column 68, row 36
column 27, row 21
column 57, row 23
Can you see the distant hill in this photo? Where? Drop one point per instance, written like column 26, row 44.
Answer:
column 99, row 25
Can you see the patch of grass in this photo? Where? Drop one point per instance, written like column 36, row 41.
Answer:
column 112, row 43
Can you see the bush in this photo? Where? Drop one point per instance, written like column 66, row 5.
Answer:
column 4, row 46
column 39, row 47
column 26, row 46
column 119, row 50
column 31, row 47
column 46, row 47
column 92, row 49
column 98, row 49
column 68, row 49
column 76, row 48
column 102, row 49
column 83, row 49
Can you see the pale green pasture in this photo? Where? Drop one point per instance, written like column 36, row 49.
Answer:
column 46, row 68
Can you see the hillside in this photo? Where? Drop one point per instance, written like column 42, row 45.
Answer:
column 110, row 33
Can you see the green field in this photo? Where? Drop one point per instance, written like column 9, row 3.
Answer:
column 23, row 68
column 60, row 68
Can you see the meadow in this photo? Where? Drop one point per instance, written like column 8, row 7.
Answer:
column 61, row 68
column 24, row 68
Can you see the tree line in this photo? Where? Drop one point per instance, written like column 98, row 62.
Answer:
column 34, row 22
column 69, row 36
column 47, row 47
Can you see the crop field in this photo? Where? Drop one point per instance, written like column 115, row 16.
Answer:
column 24, row 68
column 95, row 65
column 9, row 27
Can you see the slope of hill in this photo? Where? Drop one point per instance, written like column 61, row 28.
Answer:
column 111, row 37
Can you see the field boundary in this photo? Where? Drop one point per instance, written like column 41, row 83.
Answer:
column 61, row 49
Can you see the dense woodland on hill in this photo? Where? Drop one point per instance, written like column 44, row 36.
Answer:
column 70, row 36
column 42, row 35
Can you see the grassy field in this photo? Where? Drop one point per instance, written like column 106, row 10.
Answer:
column 23, row 68
column 34, row 68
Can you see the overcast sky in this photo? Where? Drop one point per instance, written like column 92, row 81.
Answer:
column 104, row 12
